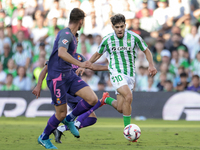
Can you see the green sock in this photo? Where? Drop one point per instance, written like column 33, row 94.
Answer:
column 127, row 120
column 109, row 100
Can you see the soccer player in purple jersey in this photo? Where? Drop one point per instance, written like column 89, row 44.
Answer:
column 62, row 80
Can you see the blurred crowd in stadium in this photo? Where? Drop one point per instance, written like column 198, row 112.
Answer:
column 169, row 27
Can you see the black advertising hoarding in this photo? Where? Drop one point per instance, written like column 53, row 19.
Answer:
column 161, row 105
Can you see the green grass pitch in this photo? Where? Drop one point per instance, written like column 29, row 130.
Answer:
column 107, row 134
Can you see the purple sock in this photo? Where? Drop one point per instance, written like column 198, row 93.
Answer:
column 80, row 108
column 88, row 122
column 52, row 124
column 86, row 114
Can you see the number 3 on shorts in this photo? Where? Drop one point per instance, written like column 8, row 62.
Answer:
column 117, row 78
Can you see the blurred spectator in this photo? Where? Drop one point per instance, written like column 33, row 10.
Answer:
column 140, row 61
column 136, row 28
column 54, row 10
column 159, row 46
column 141, row 78
column 19, row 27
column 185, row 25
column 11, row 68
column 144, row 5
column 4, row 40
column 9, row 86
column 150, row 87
column 8, row 33
column 91, row 79
column 184, row 79
column 195, row 50
column 26, row 44
column 162, row 13
column 195, row 65
column 83, row 41
column 180, row 87
column 195, row 84
column 168, row 87
column 39, row 32
column 177, row 60
column 165, row 56
column 161, row 82
column 164, row 68
column 94, row 47
column 21, row 80
column 6, row 55
column 22, row 57
column 36, row 73
column 52, row 26
column 109, row 86
column 176, row 42
column 191, row 39
column 2, row 75
column 101, row 85
column 177, row 78
column 84, row 51
column 179, row 8
column 147, row 19
column 93, row 24
column 10, row 8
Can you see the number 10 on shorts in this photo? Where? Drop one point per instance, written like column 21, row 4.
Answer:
column 117, row 78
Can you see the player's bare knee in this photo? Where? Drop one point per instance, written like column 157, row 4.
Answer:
column 93, row 100
column 120, row 110
column 129, row 98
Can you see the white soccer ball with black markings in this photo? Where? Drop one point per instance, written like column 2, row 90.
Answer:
column 132, row 132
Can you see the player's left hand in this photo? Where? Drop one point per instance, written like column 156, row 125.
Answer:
column 152, row 71
column 80, row 71
column 36, row 91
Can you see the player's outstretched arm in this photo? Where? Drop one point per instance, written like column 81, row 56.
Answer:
column 95, row 57
column 37, row 89
column 62, row 53
column 97, row 67
column 152, row 70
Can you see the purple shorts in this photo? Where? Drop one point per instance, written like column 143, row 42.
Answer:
column 61, row 88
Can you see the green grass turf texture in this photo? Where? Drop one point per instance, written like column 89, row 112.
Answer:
column 107, row 134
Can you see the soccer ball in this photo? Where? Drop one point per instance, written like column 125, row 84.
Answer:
column 132, row 132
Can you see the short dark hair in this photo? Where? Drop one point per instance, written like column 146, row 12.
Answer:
column 118, row 18
column 183, row 75
column 195, row 76
column 76, row 35
column 76, row 15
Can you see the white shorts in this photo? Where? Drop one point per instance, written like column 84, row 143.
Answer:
column 118, row 80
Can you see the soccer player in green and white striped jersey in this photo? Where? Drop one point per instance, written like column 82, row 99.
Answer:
column 120, row 47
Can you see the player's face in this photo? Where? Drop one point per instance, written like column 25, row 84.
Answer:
column 119, row 29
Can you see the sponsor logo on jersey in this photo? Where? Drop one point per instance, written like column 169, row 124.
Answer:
column 64, row 41
column 128, row 41
column 121, row 48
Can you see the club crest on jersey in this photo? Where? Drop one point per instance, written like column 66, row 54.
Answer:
column 129, row 41
column 64, row 41
column 79, row 58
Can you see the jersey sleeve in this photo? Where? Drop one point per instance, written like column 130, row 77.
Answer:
column 46, row 63
column 65, row 39
column 102, row 47
column 140, row 43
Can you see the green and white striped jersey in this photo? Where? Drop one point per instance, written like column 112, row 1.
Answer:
column 121, row 53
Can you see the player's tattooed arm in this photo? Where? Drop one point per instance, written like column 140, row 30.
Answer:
column 152, row 70
column 37, row 89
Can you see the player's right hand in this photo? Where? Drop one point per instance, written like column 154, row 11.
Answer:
column 80, row 71
column 36, row 91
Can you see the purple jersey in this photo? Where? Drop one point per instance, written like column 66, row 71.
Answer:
column 57, row 65
column 80, row 58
